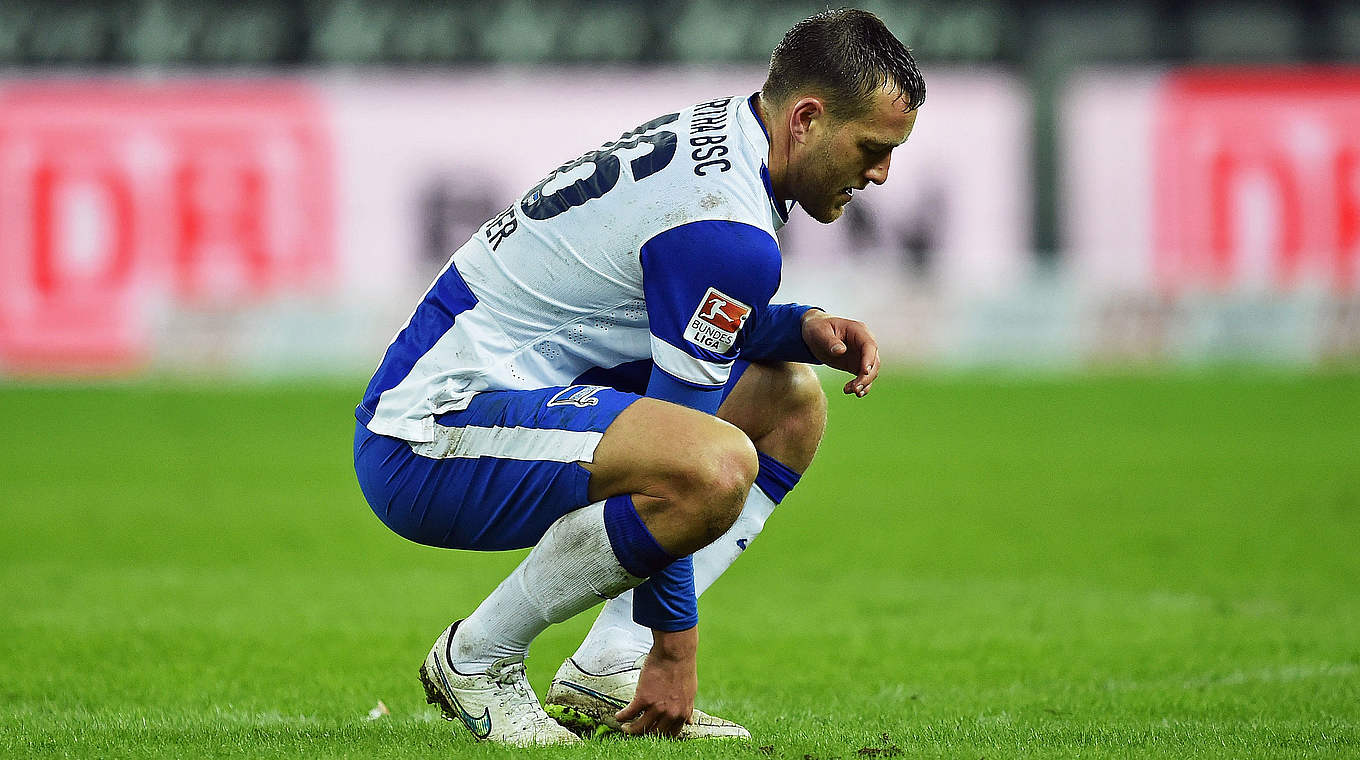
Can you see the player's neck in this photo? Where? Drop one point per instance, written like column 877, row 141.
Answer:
column 775, row 160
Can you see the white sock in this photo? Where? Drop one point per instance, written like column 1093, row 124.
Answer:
column 615, row 642
column 571, row 569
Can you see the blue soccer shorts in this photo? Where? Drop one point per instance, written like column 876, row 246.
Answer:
column 497, row 474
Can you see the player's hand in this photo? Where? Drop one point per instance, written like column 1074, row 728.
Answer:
column 844, row 344
column 666, row 687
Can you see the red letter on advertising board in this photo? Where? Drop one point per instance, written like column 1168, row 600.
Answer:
column 1348, row 216
column 221, row 216
column 1226, row 177
column 51, row 277
column 1262, row 164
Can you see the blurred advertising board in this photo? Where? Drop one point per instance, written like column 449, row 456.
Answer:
column 1259, row 177
column 1217, row 208
column 1216, row 180
column 125, row 200
column 288, row 224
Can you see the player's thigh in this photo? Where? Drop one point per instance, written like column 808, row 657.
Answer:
column 497, row 474
column 656, row 448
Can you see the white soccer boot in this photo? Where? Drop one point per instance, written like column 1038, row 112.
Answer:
column 586, row 703
column 498, row 705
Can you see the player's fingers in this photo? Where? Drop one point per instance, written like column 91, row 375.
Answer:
column 854, row 388
column 639, row 726
column 858, row 387
column 860, row 384
column 660, row 722
column 671, row 726
column 865, row 376
column 866, row 371
column 869, row 369
column 634, row 709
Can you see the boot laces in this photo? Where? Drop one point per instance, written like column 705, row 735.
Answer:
column 518, row 699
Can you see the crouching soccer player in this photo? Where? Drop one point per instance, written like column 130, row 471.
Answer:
column 599, row 373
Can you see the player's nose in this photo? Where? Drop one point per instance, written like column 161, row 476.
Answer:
column 878, row 173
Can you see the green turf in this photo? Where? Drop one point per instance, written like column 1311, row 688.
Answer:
column 1159, row 566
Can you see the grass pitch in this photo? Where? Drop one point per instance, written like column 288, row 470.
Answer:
column 1160, row 566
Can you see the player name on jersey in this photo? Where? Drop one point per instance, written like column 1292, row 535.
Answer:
column 709, row 149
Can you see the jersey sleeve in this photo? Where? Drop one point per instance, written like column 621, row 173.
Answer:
column 775, row 333
column 702, row 282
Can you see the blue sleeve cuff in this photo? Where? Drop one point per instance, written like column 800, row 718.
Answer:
column 667, row 387
column 666, row 601
column 777, row 335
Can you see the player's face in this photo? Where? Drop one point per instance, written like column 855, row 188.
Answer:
column 850, row 154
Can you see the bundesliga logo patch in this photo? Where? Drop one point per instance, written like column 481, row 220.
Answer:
column 717, row 321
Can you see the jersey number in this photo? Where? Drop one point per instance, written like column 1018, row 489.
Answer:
column 538, row 206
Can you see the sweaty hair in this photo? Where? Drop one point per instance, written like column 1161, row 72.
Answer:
column 844, row 56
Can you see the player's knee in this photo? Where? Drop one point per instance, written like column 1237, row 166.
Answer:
column 726, row 466
column 717, row 480
column 806, row 401
column 735, row 466
column 802, row 408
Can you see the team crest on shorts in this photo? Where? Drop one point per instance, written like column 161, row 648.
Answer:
column 717, row 321
column 576, row 395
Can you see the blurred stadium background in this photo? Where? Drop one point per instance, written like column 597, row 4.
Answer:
column 264, row 188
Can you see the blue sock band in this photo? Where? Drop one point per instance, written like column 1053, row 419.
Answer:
column 633, row 544
column 775, row 478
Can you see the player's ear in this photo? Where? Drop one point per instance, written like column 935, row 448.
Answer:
column 806, row 112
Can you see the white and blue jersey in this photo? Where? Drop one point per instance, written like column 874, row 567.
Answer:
column 646, row 265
